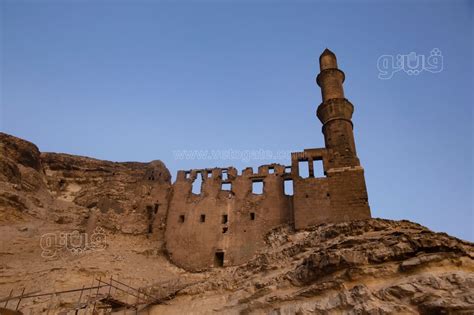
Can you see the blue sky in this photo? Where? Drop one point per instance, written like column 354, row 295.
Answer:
column 138, row 80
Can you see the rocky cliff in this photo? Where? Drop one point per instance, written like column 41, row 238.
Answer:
column 129, row 197
column 363, row 267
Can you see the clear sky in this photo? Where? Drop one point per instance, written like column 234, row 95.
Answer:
column 138, row 80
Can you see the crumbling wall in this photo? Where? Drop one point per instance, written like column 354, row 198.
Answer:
column 340, row 195
column 217, row 227
column 348, row 194
column 224, row 227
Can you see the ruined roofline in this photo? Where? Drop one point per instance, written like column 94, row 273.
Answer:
column 231, row 173
column 305, row 154
column 312, row 154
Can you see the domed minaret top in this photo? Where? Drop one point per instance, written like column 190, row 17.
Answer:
column 330, row 78
column 327, row 60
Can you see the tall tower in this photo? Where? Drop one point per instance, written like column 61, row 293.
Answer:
column 335, row 113
column 341, row 195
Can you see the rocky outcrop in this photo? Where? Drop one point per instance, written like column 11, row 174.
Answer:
column 19, row 151
column 362, row 267
column 22, row 185
column 124, row 196
column 129, row 197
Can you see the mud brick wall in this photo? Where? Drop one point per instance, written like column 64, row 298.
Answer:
column 340, row 195
column 348, row 194
column 224, row 227
column 311, row 201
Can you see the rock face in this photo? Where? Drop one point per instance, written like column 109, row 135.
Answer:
column 363, row 267
column 21, row 177
column 126, row 196
column 122, row 196
column 371, row 266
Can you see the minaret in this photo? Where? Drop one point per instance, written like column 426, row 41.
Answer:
column 335, row 113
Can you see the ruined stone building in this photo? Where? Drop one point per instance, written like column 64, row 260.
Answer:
column 225, row 223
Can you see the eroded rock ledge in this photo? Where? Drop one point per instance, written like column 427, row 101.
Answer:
column 363, row 267
column 128, row 197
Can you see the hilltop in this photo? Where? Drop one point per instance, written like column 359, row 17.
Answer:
column 371, row 266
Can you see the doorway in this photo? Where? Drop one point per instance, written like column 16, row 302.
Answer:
column 219, row 259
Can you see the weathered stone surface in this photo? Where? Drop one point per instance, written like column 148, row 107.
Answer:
column 232, row 222
column 19, row 151
column 362, row 267
column 22, row 185
column 129, row 197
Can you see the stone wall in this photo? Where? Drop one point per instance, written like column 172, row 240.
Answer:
column 340, row 195
column 224, row 227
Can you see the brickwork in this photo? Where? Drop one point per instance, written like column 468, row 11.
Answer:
column 232, row 222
